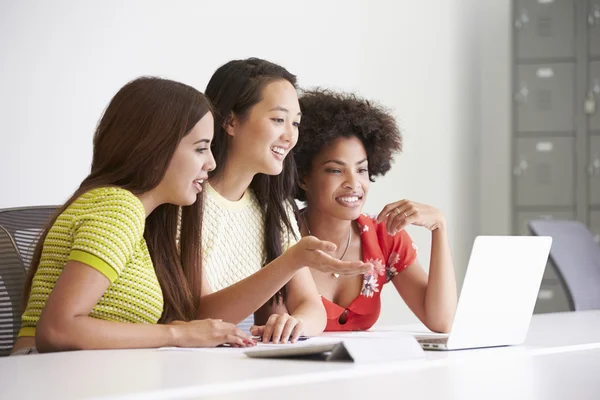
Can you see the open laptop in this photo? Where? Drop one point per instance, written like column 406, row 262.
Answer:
column 498, row 294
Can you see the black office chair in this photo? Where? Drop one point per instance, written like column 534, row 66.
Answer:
column 20, row 229
column 576, row 257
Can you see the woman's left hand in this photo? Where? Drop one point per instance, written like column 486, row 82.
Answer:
column 400, row 214
column 279, row 329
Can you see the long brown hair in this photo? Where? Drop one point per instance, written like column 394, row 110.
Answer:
column 133, row 144
column 236, row 87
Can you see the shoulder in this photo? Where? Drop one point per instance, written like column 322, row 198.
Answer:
column 112, row 196
column 368, row 224
column 111, row 205
column 375, row 232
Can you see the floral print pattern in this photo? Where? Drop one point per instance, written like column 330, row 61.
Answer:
column 370, row 280
column 391, row 270
column 393, row 259
column 370, row 285
column 378, row 266
column 389, row 256
column 390, row 274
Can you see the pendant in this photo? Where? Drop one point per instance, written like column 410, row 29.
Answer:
column 336, row 275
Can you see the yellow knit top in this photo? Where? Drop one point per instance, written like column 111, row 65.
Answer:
column 103, row 228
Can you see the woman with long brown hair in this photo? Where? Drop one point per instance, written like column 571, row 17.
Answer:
column 107, row 272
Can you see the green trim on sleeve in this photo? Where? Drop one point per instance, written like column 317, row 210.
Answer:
column 27, row 331
column 96, row 263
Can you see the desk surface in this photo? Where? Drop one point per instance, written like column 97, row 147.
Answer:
column 570, row 375
column 565, row 346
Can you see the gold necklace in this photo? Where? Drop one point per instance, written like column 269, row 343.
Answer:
column 347, row 243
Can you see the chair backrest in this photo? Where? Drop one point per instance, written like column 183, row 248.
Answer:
column 576, row 257
column 20, row 229
column 12, row 279
column 25, row 225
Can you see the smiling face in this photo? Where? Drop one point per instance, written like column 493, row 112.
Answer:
column 338, row 181
column 269, row 131
column 190, row 164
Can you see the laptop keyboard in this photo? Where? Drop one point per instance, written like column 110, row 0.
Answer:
column 434, row 341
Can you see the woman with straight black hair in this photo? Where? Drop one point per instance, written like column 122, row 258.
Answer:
column 251, row 245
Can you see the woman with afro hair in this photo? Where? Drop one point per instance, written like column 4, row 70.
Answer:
column 344, row 143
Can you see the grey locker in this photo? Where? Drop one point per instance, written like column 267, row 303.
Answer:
column 595, row 225
column 594, row 27
column 594, row 90
column 554, row 41
column 544, row 172
column 545, row 98
column 551, row 298
column 545, row 29
column 594, row 170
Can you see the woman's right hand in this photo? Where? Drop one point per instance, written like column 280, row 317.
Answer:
column 209, row 333
column 312, row 252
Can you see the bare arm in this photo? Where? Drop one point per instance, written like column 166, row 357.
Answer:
column 433, row 299
column 304, row 303
column 308, row 316
column 65, row 323
column 238, row 301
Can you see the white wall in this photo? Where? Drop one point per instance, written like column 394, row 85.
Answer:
column 424, row 61
column 496, row 90
column 61, row 62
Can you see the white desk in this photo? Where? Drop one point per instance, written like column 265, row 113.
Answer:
column 571, row 375
column 564, row 346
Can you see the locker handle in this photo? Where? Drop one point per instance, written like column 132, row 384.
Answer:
column 522, row 19
column 522, row 95
column 521, row 168
column 594, row 16
column 594, row 168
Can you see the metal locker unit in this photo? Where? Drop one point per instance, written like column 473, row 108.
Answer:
column 551, row 298
column 545, row 29
column 594, row 171
column 594, row 28
column 544, row 172
column 594, row 94
column 555, row 160
column 595, row 225
column 545, row 98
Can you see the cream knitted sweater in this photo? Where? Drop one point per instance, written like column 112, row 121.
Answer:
column 233, row 236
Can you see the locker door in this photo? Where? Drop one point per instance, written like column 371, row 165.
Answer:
column 594, row 27
column 595, row 225
column 594, row 88
column 551, row 298
column 545, row 29
column 545, row 98
column 544, row 172
column 594, row 170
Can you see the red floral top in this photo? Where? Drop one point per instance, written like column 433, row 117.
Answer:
column 389, row 255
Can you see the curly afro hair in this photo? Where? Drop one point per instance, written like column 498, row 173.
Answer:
column 329, row 115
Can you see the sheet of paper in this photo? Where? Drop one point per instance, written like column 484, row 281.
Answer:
column 233, row 350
